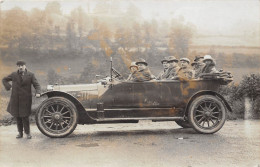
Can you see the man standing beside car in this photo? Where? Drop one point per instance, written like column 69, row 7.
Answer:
column 21, row 96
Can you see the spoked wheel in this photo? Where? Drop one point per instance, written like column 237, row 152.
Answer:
column 57, row 117
column 184, row 124
column 207, row 114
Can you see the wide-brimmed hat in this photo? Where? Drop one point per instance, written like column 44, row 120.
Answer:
column 20, row 62
column 198, row 57
column 133, row 64
column 141, row 61
column 207, row 57
column 172, row 58
column 194, row 63
column 185, row 59
column 164, row 60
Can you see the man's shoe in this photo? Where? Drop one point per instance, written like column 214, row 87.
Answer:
column 28, row 136
column 20, row 135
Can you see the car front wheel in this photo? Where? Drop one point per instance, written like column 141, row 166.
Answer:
column 56, row 117
column 207, row 114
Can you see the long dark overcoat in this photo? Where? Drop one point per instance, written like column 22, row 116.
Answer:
column 21, row 96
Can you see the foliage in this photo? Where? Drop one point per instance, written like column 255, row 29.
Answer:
column 256, row 107
column 249, row 86
column 180, row 38
column 235, row 95
column 49, row 31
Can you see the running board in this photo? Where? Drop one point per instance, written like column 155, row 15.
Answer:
column 142, row 118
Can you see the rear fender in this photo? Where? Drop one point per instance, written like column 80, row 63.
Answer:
column 207, row 92
column 84, row 118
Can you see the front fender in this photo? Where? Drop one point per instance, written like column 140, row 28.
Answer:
column 84, row 117
column 207, row 92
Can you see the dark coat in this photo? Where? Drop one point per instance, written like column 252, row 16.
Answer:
column 162, row 75
column 198, row 69
column 172, row 72
column 185, row 73
column 142, row 75
column 209, row 68
column 21, row 96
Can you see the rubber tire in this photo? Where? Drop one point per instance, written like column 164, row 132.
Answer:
column 53, row 100
column 191, row 114
column 184, row 124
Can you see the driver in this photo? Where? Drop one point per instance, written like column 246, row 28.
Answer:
column 143, row 74
column 133, row 68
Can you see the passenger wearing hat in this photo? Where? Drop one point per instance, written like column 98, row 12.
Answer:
column 173, row 67
column 198, row 65
column 209, row 65
column 133, row 68
column 198, row 58
column 21, row 96
column 143, row 73
column 185, row 71
column 163, row 74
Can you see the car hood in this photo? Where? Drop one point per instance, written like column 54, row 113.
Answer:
column 71, row 88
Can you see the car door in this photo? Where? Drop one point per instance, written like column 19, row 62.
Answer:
column 171, row 93
column 118, row 96
column 146, row 94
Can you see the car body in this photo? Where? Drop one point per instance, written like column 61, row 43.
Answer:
column 190, row 103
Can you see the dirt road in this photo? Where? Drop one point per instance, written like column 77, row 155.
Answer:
column 143, row 144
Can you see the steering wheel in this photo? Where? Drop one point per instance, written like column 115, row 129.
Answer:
column 117, row 74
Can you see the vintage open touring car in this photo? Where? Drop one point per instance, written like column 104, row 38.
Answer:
column 190, row 103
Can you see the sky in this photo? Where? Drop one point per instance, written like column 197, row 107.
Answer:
column 215, row 17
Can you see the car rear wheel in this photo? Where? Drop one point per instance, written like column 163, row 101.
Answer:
column 56, row 117
column 184, row 124
column 207, row 114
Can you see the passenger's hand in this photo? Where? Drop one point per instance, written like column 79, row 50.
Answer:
column 38, row 95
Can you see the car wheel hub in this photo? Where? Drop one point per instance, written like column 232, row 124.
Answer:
column 57, row 116
column 207, row 113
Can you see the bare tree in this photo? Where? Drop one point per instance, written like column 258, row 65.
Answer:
column 179, row 40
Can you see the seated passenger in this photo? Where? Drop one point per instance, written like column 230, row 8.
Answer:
column 143, row 74
column 133, row 68
column 198, row 65
column 173, row 68
column 185, row 71
column 163, row 74
column 209, row 65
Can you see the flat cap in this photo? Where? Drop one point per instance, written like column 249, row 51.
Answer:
column 133, row 64
column 141, row 61
column 164, row 60
column 198, row 57
column 185, row 59
column 207, row 57
column 20, row 62
column 194, row 63
column 172, row 58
